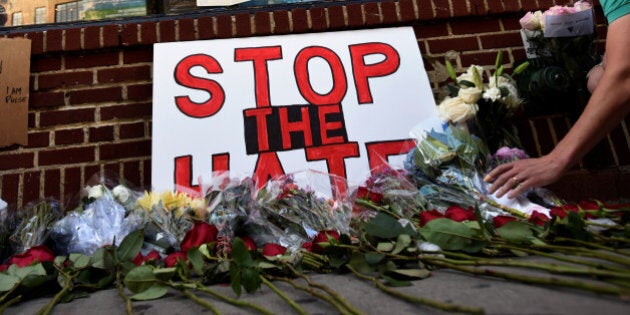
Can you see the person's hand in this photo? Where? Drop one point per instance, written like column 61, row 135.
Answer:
column 516, row 177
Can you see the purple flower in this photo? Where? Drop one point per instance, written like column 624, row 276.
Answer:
column 505, row 154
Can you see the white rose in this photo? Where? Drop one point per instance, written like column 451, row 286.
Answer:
column 455, row 110
column 470, row 95
column 95, row 192
column 468, row 75
column 121, row 193
column 493, row 94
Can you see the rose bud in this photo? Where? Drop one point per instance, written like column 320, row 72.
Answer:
column 272, row 249
column 426, row 216
column 249, row 243
column 323, row 237
column 500, row 220
column 35, row 254
column 172, row 259
column 459, row 214
column 201, row 233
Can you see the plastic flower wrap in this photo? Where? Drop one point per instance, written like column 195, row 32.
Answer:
column 102, row 221
column 293, row 208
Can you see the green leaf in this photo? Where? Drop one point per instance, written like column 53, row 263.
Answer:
column 394, row 282
column 251, row 279
column 522, row 67
column 413, row 273
column 452, row 90
column 373, row 258
column 499, row 71
column 466, row 83
column 385, row 246
column 33, row 270
column 60, row 260
column 359, row 263
column 130, row 245
column 448, row 234
column 383, row 226
column 8, row 282
column 401, row 243
column 164, row 274
column 499, row 60
column 156, row 291
column 240, row 254
column 79, row 261
column 477, row 78
column 450, row 70
column 33, row 281
column 102, row 258
column 515, row 231
column 196, row 259
column 235, row 278
column 140, row 279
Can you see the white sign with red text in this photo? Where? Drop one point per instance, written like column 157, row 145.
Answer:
column 341, row 103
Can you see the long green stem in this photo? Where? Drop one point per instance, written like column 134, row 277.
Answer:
column 533, row 279
column 593, row 245
column 235, row 302
column 416, row 299
column 9, row 303
column 67, row 287
column 317, row 294
column 200, row 301
column 121, row 292
column 572, row 250
column 281, row 294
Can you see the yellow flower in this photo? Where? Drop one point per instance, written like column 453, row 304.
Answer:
column 174, row 200
column 199, row 207
column 148, row 200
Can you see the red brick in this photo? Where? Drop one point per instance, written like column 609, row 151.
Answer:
column 129, row 34
column 372, row 13
column 300, row 20
column 148, row 33
column 93, row 174
column 131, row 149
column 224, row 26
column 31, row 120
column 30, row 184
column 112, row 168
column 72, row 186
column 133, row 130
column 66, row 156
column 478, row 58
column 69, row 136
column 64, row 79
column 282, row 25
column 355, row 15
column 144, row 54
column 186, row 29
column 131, row 174
column 442, row 9
column 111, row 36
column 388, row 11
column 502, row 40
column 546, row 4
column 495, row 7
column 461, row 8
column 336, row 17
column 37, row 42
column 205, row 28
column 167, row 31
column 59, row 117
column 430, row 30
column 518, row 53
column 139, row 92
column 512, row 5
column 146, row 174
column 16, row 161
column 478, row 7
column 85, row 60
column 43, row 63
column 437, row 46
column 530, row 6
column 102, row 95
column 425, row 10
column 407, row 11
column 318, row 19
column 38, row 139
column 123, row 74
column 262, row 21
column 46, row 99
column 91, row 37
column 126, row 111
column 72, row 39
column 53, row 40
column 511, row 24
column 243, row 25
column 475, row 26
column 99, row 134
column 10, row 188
column 52, row 184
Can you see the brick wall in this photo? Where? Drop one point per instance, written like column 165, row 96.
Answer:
column 90, row 104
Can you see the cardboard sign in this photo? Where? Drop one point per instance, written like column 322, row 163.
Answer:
column 15, row 61
column 567, row 25
column 339, row 103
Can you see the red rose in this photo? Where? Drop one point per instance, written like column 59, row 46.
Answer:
column 322, row 237
column 459, row 214
column 172, row 259
column 588, row 205
column 308, row 246
column 271, row 249
column 426, row 216
column 538, row 218
column 4, row 267
column 364, row 193
column 561, row 211
column 500, row 220
column 35, row 254
column 152, row 255
column 249, row 243
column 201, row 233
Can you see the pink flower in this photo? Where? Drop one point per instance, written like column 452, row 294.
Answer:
column 505, row 154
column 582, row 6
column 531, row 21
column 558, row 10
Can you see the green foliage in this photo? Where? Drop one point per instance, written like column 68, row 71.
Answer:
column 243, row 271
column 451, row 235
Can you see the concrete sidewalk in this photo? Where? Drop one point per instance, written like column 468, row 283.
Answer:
column 495, row 296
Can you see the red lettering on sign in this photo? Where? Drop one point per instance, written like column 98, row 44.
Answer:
column 325, row 125
column 268, row 167
column 185, row 78
column 340, row 85
column 286, row 127
column 378, row 152
column 260, row 56
column 334, row 155
column 261, row 125
column 183, row 176
column 362, row 72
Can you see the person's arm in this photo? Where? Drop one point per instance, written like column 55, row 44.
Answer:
column 608, row 105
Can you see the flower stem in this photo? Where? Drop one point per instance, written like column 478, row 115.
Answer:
column 235, row 302
column 281, row 294
column 9, row 303
column 593, row 245
column 121, row 292
column 200, row 301
column 597, row 288
column 418, row 300
column 572, row 250
column 315, row 293
column 67, row 287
